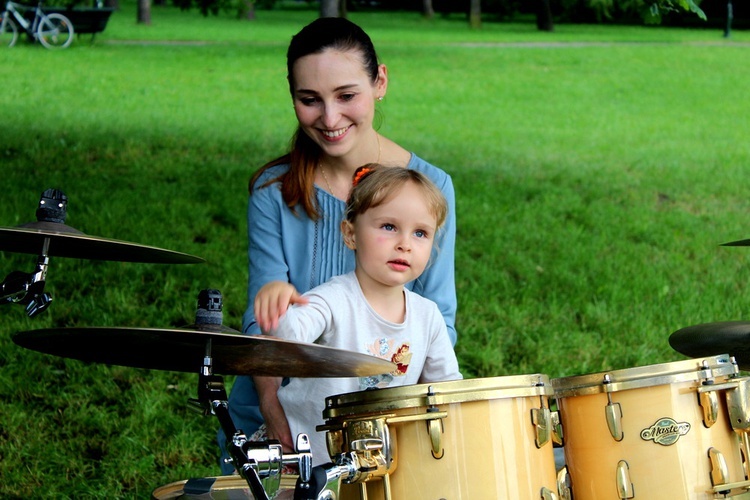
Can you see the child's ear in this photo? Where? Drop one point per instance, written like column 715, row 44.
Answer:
column 347, row 229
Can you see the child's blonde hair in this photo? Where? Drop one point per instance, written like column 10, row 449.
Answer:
column 374, row 184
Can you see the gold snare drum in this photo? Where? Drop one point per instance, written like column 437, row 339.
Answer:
column 464, row 439
column 655, row 432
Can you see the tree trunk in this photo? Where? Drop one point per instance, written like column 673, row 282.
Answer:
column 144, row 12
column 342, row 9
column 475, row 14
column 427, row 11
column 329, row 8
column 544, row 16
column 246, row 10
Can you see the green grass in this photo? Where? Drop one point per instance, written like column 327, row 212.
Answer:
column 597, row 170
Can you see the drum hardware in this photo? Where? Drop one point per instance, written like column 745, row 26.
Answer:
column 557, row 430
column 541, row 419
column 737, row 392
column 49, row 236
column 612, row 412
column 622, row 478
column 563, row 484
column 326, row 480
column 548, row 494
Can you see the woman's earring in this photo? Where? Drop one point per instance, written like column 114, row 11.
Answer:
column 380, row 98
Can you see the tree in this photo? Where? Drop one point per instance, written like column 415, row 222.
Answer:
column 427, row 11
column 544, row 16
column 475, row 14
column 329, row 8
column 144, row 12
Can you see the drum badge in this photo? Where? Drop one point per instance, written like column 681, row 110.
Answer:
column 665, row 431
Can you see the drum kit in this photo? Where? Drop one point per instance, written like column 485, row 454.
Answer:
column 671, row 430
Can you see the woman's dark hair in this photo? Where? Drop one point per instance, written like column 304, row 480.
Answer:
column 331, row 33
column 322, row 34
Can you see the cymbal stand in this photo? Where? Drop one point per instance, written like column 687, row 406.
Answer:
column 25, row 288
column 28, row 288
column 253, row 460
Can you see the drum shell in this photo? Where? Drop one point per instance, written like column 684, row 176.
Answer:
column 679, row 470
column 488, row 440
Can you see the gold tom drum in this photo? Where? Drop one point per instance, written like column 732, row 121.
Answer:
column 655, row 432
column 464, row 439
column 219, row 488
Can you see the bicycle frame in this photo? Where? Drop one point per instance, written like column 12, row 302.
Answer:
column 30, row 28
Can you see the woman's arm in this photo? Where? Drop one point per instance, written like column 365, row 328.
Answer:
column 438, row 282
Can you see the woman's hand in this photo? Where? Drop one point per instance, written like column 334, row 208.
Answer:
column 272, row 301
column 277, row 426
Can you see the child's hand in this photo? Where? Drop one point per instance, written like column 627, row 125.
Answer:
column 272, row 301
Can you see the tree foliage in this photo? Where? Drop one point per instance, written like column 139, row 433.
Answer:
column 650, row 10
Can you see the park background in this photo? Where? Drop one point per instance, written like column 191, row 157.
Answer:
column 597, row 169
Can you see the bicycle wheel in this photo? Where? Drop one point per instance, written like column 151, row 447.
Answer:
column 55, row 31
column 8, row 31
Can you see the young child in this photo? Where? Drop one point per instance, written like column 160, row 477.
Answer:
column 391, row 220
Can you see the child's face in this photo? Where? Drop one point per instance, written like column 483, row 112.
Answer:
column 393, row 240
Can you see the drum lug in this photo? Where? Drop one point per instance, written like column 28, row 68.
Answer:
column 435, row 430
column 719, row 469
column 557, row 430
column 547, row 494
column 563, row 484
column 624, row 484
column 541, row 420
column 613, row 412
column 709, row 401
column 737, row 398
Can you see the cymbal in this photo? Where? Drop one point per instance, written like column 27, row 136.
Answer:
column 184, row 349
column 66, row 241
column 708, row 339
column 738, row 243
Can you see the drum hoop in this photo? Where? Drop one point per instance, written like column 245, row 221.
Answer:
column 220, row 483
column 438, row 393
column 645, row 376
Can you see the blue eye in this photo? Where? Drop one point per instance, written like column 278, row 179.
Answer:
column 389, row 227
column 420, row 233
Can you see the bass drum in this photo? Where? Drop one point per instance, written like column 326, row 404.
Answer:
column 457, row 440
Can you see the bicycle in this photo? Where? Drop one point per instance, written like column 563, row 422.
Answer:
column 54, row 31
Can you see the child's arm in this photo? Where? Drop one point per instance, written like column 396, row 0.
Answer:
column 272, row 301
column 441, row 363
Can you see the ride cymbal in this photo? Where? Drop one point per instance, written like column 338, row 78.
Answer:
column 738, row 243
column 184, row 350
column 708, row 339
column 65, row 241
column 49, row 236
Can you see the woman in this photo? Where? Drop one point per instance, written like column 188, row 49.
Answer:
column 297, row 202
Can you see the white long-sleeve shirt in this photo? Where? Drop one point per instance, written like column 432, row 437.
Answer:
column 339, row 316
